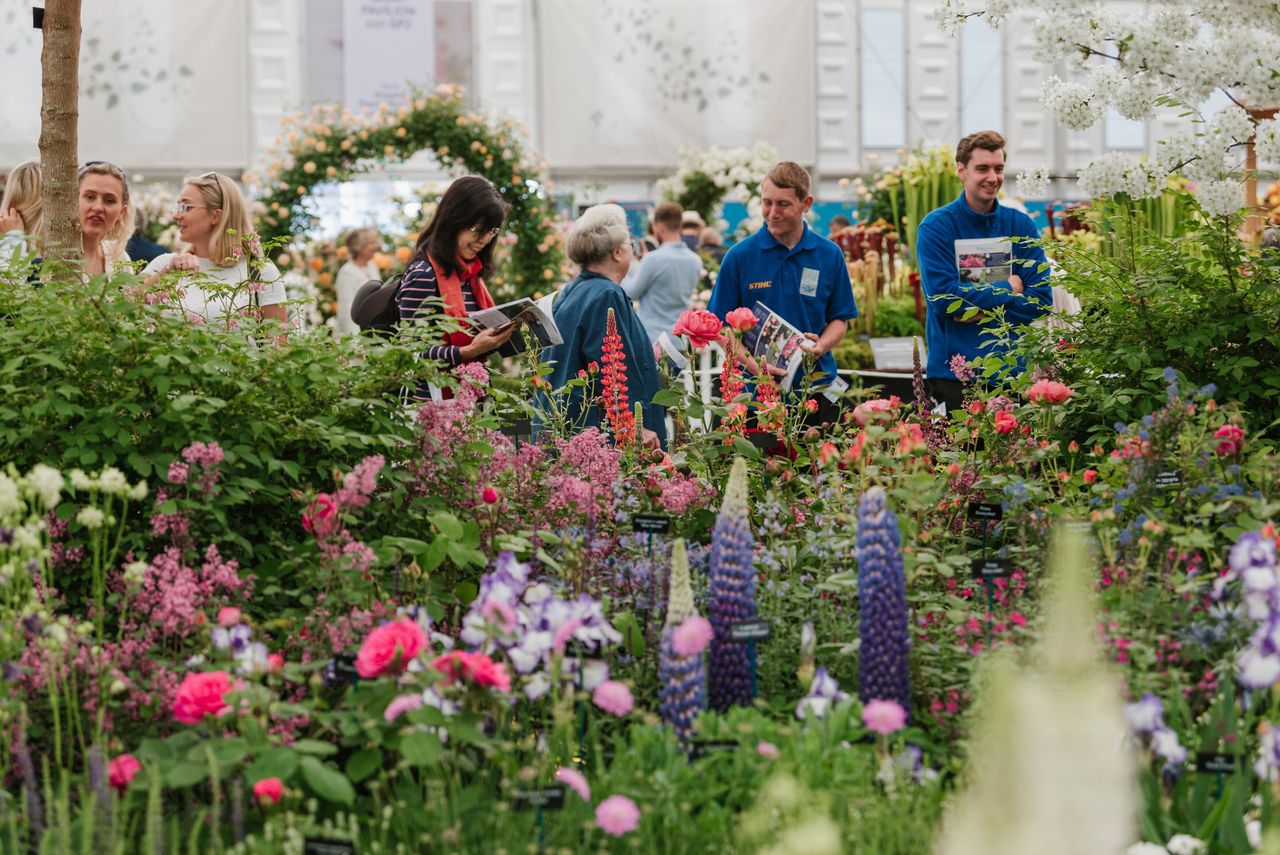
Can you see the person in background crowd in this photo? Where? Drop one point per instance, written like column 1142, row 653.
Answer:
column 141, row 247
column 794, row 271
column 213, row 221
column 362, row 245
column 710, row 244
column 453, row 254
column 1022, row 290
column 602, row 246
column 663, row 287
column 106, row 217
column 650, row 241
column 21, row 212
column 691, row 225
column 838, row 224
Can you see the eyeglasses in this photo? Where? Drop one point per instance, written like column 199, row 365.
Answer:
column 183, row 207
column 637, row 246
column 489, row 235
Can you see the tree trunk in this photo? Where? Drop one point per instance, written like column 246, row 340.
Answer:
column 59, row 114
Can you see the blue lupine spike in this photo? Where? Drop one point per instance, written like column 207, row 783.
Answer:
column 882, row 598
column 732, row 593
column 682, row 694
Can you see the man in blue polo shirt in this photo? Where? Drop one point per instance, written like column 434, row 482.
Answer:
column 973, row 250
column 795, row 272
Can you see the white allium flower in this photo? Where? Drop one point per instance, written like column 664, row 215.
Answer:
column 112, row 482
column 1075, row 105
column 90, row 517
column 47, row 483
column 1034, row 183
column 10, row 503
column 1220, row 198
column 79, row 480
column 1185, row 844
column 138, row 491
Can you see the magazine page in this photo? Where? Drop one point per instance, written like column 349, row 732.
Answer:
column 776, row 342
column 536, row 319
column 981, row 260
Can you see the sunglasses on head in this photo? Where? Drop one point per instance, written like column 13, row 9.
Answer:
column 111, row 167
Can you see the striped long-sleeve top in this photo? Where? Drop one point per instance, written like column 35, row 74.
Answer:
column 417, row 286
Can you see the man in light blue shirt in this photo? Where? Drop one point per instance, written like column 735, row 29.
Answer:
column 663, row 288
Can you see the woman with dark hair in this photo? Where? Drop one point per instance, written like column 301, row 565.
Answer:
column 454, row 253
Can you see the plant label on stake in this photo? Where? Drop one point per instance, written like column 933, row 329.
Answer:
column 550, row 797
column 1168, row 479
column 326, row 846
column 702, row 747
column 991, row 568
column 651, row 524
column 750, row 630
column 1215, row 763
column 985, row 511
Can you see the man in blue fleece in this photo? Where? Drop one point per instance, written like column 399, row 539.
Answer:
column 969, row 250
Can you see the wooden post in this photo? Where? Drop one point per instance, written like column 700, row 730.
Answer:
column 1255, row 219
column 59, row 144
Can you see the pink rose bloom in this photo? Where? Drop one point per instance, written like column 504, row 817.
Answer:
column 1230, row 440
column 400, row 705
column 910, row 438
column 275, row 663
column 322, row 517
column 121, row 770
column 1006, row 422
column 1089, row 475
column 389, row 648
column 617, row 815
column 702, row 327
column 741, row 319
column 575, row 780
column 228, row 616
column 200, row 694
column 767, row 750
column 884, row 717
column 1048, row 392
column 612, row 697
column 269, row 790
column 864, row 411
column 692, row 637
column 472, row 667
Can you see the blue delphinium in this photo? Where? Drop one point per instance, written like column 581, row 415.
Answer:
column 682, row 692
column 732, row 594
column 882, row 598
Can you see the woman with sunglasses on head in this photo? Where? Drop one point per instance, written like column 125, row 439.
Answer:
column 453, row 253
column 106, row 217
column 212, row 219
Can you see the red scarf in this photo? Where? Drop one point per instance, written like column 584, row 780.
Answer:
column 455, row 305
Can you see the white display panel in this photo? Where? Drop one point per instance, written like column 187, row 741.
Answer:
column 162, row 85
column 628, row 82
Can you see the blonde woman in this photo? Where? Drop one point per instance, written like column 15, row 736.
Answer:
column 213, row 221
column 106, row 217
column 362, row 245
column 21, row 211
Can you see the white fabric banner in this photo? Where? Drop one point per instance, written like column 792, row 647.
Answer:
column 627, row 83
column 387, row 50
column 162, row 85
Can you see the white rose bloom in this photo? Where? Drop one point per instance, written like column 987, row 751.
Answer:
column 90, row 517
column 112, row 482
column 47, row 482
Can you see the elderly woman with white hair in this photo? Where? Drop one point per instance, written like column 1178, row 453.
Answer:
column 601, row 245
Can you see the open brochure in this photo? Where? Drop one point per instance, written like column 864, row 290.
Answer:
column 984, row 259
column 536, row 318
column 776, row 342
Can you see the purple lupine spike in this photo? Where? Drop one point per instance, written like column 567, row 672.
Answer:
column 882, row 599
column 682, row 678
column 732, row 592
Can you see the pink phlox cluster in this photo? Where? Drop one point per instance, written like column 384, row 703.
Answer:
column 962, row 369
column 174, row 527
column 172, row 594
column 582, row 478
column 475, row 382
column 61, row 556
column 324, row 520
column 358, row 556
column 680, row 492
column 358, row 484
column 206, row 456
column 345, row 631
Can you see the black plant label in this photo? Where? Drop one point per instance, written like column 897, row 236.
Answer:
column 1168, row 479
column 985, row 511
column 990, row 568
column 550, row 797
column 703, row 747
column 344, row 668
column 750, row 630
column 651, row 523
column 325, row 846
column 1216, row 763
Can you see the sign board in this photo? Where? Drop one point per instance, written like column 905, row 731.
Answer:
column 895, row 354
column 750, row 630
column 703, row 747
column 990, row 568
column 651, row 523
column 985, row 511
column 388, row 48
column 550, row 797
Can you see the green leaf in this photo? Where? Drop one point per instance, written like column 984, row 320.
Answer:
column 315, row 747
column 420, row 749
column 364, row 763
column 273, row 763
column 186, row 773
column 447, row 524
column 327, row 782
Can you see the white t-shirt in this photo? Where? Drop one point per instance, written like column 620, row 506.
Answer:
column 350, row 277
column 219, row 306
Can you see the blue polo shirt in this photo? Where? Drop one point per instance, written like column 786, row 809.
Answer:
column 808, row 285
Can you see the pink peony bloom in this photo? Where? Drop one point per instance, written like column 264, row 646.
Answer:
column 1048, row 392
column 767, row 750
column 228, row 616
column 400, row 705
column 864, row 412
column 323, row 510
column 200, row 694
column 269, row 790
column 883, row 717
column 617, row 815
column 702, row 327
column 692, row 637
column 121, row 770
column 575, row 780
column 741, row 319
column 1230, row 440
column 612, row 697
column 389, row 648
column 490, row 495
